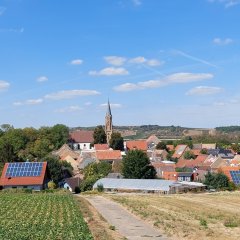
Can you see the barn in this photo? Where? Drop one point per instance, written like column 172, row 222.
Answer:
column 30, row 175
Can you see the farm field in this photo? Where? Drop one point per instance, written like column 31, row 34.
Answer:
column 39, row 216
column 189, row 216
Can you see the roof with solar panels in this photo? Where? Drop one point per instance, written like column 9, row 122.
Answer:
column 23, row 173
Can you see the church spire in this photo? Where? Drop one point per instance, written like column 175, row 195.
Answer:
column 109, row 113
column 108, row 122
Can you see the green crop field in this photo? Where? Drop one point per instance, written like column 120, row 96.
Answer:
column 39, row 216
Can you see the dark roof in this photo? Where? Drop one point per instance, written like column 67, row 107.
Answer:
column 73, row 182
column 81, row 136
column 7, row 180
column 224, row 153
column 185, row 174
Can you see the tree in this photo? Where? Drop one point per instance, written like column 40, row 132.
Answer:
column 99, row 135
column 236, row 148
column 189, row 155
column 7, row 153
column 116, row 141
column 93, row 172
column 136, row 164
column 162, row 146
column 59, row 135
column 204, row 151
column 56, row 168
column 16, row 138
column 42, row 147
column 6, row 127
column 101, row 169
column 218, row 181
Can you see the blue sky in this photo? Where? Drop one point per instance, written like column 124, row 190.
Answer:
column 167, row 62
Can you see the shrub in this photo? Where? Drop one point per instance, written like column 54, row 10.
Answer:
column 203, row 222
column 112, row 227
column 100, row 188
column 87, row 184
column 77, row 189
column 230, row 223
column 51, row 185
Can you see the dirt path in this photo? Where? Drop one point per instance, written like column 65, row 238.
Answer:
column 126, row 223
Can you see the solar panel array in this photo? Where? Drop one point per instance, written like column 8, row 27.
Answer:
column 24, row 169
column 235, row 177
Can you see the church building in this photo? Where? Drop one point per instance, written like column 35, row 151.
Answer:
column 108, row 123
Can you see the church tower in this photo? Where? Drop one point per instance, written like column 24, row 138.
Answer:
column 108, row 123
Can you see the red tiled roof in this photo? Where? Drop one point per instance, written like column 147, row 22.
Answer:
column 109, row 155
column 226, row 170
column 201, row 158
column 196, row 152
column 22, row 181
column 169, row 167
column 81, row 136
column 191, row 163
column 235, row 162
column 170, row 147
column 170, row 176
column 101, row 147
column 138, row 144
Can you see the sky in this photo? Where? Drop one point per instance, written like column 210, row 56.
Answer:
column 167, row 62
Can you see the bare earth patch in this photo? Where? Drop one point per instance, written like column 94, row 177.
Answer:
column 188, row 216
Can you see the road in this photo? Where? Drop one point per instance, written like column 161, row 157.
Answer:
column 126, row 223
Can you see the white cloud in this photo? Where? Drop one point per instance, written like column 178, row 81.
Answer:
column 110, row 71
column 76, row 62
column 29, row 102
column 138, row 60
column 143, row 60
column 113, row 105
column 137, row 2
column 115, row 60
column 69, row 109
column 204, row 90
column 42, row 79
column 34, row 101
column 4, row 85
column 126, row 87
column 222, row 42
column 154, row 62
column 2, row 10
column 168, row 80
column 151, row 84
column 226, row 3
column 66, row 94
column 187, row 77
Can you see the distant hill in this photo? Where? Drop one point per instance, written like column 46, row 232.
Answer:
column 228, row 133
column 162, row 132
column 229, row 129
